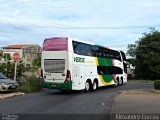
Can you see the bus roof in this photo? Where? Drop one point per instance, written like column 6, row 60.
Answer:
column 83, row 41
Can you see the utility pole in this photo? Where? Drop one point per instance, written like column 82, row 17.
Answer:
column 16, row 57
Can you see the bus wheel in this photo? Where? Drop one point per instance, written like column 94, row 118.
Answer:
column 94, row 86
column 87, row 87
column 116, row 82
column 121, row 81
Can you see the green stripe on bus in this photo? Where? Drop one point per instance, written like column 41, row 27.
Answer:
column 106, row 62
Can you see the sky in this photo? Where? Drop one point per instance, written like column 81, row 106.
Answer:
column 112, row 23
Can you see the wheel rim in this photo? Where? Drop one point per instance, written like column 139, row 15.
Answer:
column 87, row 86
column 94, row 86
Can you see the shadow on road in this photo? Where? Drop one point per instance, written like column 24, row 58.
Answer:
column 74, row 92
column 105, row 89
column 65, row 92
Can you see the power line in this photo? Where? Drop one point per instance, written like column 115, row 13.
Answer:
column 123, row 27
column 92, row 27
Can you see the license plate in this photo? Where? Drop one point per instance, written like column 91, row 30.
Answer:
column 53, row 85
column 13, row 86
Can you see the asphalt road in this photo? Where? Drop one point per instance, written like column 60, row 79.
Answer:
column 69, row 103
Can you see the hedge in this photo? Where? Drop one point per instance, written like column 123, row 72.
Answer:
column 157, row 84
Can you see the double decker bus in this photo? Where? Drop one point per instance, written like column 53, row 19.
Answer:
column 72, row 64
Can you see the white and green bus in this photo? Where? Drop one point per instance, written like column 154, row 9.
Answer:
column 72, row 64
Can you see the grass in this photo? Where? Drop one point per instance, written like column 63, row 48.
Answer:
column 32, row 84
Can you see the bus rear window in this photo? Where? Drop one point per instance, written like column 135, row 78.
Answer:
column 55, row 44
column 54, row 65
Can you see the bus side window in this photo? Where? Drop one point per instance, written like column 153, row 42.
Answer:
column 76, row 47
column 109, row 70
column 99, row 54
column 83, row 52
column 94, row 51
column 79, row 48
column 83, row 49
column 88, row 49
column 119, row 57
column 123, row 56
column 106, row 53
column 77, row 52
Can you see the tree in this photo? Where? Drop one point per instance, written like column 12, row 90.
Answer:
column 37, row 62
column 147, row 54
column 21, row 69
column 132, row 61
column 2, row 56
column 8, row 69
column 131, row 50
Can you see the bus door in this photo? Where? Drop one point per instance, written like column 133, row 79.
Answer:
column 77, row 77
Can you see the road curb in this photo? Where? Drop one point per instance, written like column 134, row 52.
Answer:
column 140, row 91
column 9, row 95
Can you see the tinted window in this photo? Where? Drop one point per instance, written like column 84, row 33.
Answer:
column 98, row 52
column 123, row 56
column 82, row 48
column 2, row 76
column 76, row 47
column 109, row 70
column 107, row 53
column 115, row 54
column 95, row 51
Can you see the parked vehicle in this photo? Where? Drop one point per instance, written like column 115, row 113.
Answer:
column 7, row 84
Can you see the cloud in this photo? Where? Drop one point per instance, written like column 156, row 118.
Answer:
column 99, row 21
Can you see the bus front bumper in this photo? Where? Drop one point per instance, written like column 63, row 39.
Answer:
column 60, row 86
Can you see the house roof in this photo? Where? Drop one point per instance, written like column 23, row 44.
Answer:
column 17, row 46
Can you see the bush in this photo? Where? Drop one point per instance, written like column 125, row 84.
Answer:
column 157, row 84
column 8, row 69
column 32, row 84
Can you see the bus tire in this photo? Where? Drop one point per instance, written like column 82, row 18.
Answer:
column 94, row 85
column 87, row 86
column 121, row 81
column 116, row 82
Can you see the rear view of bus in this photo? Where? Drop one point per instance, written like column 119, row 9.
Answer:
column 55, row 72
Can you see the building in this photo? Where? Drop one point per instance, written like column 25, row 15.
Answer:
column 27, row 52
